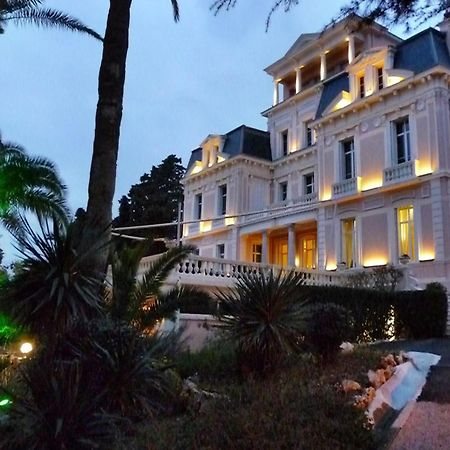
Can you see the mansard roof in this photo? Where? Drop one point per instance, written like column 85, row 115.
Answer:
column 422, row 51
column 242, row 140
column 331, row 89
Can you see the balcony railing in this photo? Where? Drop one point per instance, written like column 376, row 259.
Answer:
column 306, row 199
column 345, row 187
column 399, row 172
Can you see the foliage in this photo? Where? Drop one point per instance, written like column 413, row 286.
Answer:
column 155, row 199
column 31, row 12
column 9, row 331
column 54, row 286
column 421, row 314
column 216, row 361
column 385, row 278
column 144, row 302
column 28, row 184
column 297, row 408
column 264, row 317
column 328, row 326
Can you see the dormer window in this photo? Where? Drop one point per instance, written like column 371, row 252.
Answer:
column 380, row 78
column 362, row 88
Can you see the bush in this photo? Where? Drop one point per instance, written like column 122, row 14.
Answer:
column 421, row 314
column 328, row 326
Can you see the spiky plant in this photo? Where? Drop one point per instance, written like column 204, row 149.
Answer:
column 265, row 316
column 32, row 12
column 28, row 184
column 140, row 299
column 54, row 286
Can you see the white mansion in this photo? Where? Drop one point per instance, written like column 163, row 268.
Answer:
column 355, row 168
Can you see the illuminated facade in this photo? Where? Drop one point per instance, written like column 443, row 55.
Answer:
column 354, row 170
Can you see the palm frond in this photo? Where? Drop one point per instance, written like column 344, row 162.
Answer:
column 176, row 10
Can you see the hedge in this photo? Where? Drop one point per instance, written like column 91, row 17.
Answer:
column 384, row 315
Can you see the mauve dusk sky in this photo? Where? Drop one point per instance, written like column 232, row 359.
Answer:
column 184, row 81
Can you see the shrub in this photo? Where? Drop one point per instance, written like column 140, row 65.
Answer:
column 264, row 317
column 421, row 314
column 329, row 325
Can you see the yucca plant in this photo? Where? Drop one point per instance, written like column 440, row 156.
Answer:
column 54, row 287
column 140, row 300
column 265, row 316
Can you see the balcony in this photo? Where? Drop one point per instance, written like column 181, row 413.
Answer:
column 345, row 187
column 400, row 172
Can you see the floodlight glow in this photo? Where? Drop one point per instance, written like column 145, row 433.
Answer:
column 26, row 347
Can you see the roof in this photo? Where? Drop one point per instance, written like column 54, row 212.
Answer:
column 331, row 89
column 422, row 51
column 301, row 42
column 243, row 140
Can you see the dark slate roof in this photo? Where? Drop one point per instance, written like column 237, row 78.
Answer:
column 242, row 140
column 331, row 89
column 422, row 52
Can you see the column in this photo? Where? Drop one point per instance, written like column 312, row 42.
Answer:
column 291, row 245
column 323, row 66
column 276, row 95
column 351, row 48
column 265, row 248
column 298, row 80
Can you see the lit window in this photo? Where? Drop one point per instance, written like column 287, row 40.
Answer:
column 402, row 143
column 362, row 88
column 348, row 159
column 405, row 226
column 283, row 191
column 309, row 253
column 380, row 78
column 256, row 253
column 284, row 142
column 198, row 206
column 221, row 251
column 222, row 200
column 309, row 183
column 348, row 242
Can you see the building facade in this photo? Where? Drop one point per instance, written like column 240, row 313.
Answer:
column 354, row 170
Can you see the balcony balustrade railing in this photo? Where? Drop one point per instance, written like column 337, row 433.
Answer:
column 399, row 172
column 345, row 187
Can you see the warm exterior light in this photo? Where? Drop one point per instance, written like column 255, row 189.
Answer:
column 394, row 80
column 426, row 256
column 220, row 159
column 297, row 261
column 197, row 168
column 206, row 225
column 344, row 100
column 374, row 262
column 423, row 167
column 371, row 183
column 331, row 266
column 230, row 221
column 326, row 196
column 26, row 348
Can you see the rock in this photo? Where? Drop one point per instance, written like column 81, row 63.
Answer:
column 197, row 399
column 350, row 386
column 347, row 347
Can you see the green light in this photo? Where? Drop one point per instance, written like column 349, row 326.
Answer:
column 5, row 402
column 8, row 330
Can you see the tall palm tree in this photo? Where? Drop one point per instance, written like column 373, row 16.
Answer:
column 111, row 81
column 28, row 184
column 32, row 12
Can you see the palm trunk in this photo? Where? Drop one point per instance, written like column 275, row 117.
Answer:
column 111, row 81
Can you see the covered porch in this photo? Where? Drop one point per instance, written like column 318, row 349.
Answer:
column 294, row 245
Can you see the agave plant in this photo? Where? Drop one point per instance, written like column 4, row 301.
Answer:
column 54, row 286
column 140, row 299
column 265, row 317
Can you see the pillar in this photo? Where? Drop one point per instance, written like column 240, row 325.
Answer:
column 298, row 80
column 291, row 245
column 351, row 48
column 265, row 248
column 276, row 95
column 323, row 66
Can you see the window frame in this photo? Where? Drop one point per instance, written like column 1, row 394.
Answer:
column 354, row 260
column 306, row 184
column 284, row 139
column 405, row 136
column 343, row 158
column 361, row 86
column 282, row 191
column 220, row 251
column 380, row 77
column 412, row 250
column 256, row 253
column 198, row 206
column 222, row 199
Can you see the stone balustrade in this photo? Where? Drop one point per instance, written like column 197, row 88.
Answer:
column 345, row 187
column 399, row 172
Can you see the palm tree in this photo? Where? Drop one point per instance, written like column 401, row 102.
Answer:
column 31, row 12
column 102, row 178
column 28, row 184
column 142, row 302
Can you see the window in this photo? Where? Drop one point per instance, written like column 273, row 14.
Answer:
column 198, row 206
column 283, row 191
column 380, row 78
column 402, row 141
column 221, row 251
column 405, row 227
column 256, row 253
column 309, row 134
column 348, row 159
column 348, row 242
column 309, row 253
column 362, row 89
column 308, row 183
column 222, row 200
column 284, row 142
